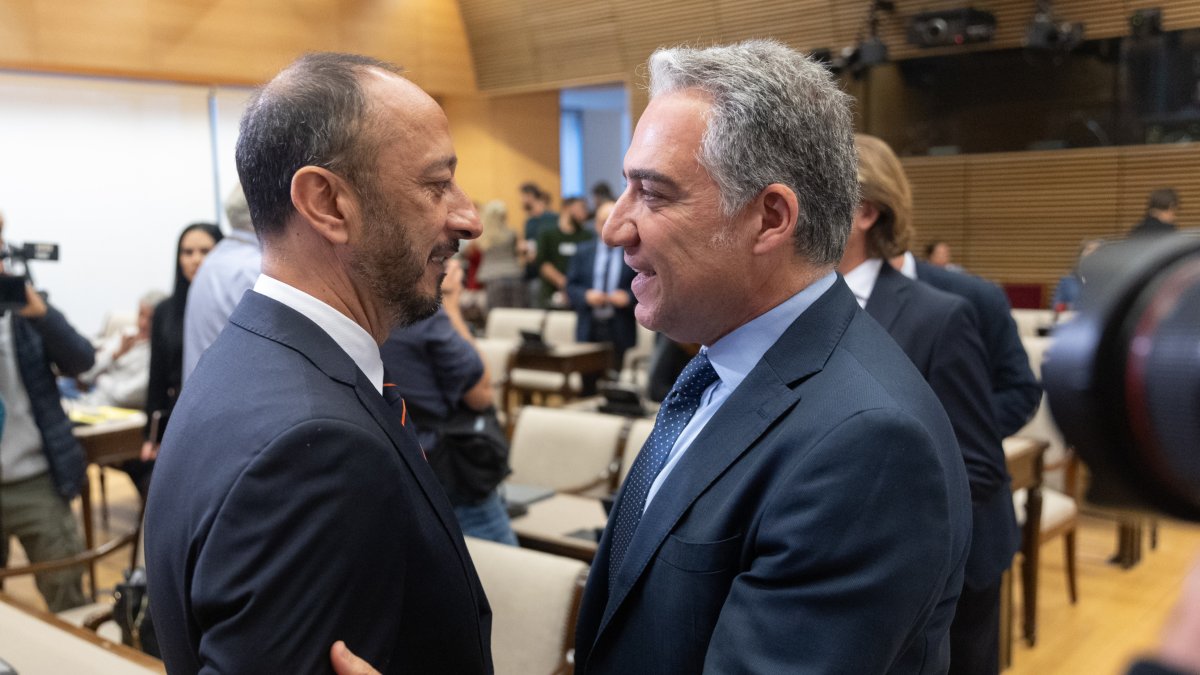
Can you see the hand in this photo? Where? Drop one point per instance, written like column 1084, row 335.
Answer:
column 1181, row 636
column 35, row 307
column 595, row 298
column 346, row 663
column 149, row 451
column 127, row 342
column 619, row 298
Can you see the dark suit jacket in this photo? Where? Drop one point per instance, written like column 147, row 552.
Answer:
column 817, row 524
column 579, row 280
column 290, row 509
column 938, row 332
column 1015, row 391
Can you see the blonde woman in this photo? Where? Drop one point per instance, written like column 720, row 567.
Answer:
column 501, row 269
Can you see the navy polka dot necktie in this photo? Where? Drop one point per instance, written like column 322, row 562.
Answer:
column 676, row 411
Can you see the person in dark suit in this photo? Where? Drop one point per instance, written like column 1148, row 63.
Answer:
column 291, row 506
column 1016, row 392
column 939, row 332
column 1162, row 207
column 600, row 292
column 800, row 504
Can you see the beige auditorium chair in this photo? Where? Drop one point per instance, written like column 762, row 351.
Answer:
column 566, row 450
column 557, row 329
column 497, row 354
column 1060, row 508
column 535, row 600
column 508, row 322
column 639, row 431
column 1030, row 320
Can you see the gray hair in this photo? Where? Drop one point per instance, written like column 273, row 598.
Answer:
column 237, row 210
column 152, row 298
column 777, row 117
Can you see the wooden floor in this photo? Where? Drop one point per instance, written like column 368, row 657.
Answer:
column 1119, row 614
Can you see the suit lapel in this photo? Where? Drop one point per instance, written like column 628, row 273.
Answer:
column 888, row 297
column 279, row 323
column 769, row 391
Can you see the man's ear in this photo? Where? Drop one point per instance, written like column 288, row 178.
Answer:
column 325, row 201
column 778, row 211
column 865, row 216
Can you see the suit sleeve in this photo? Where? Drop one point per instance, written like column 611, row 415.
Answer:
column 847, row 564
column 295, row 558
column 958, row 376
column 1015, row 391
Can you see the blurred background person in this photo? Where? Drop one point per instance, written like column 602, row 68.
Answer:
column 1162, row 209
column 539, row 218
column 939, row 253
column 122, row 370
column 42, row 466
column 556, row 247
column 599, row 286
column 500, row 269
column 1070, row 286
column 229, row 270
column 166, row 346
column 444, row 374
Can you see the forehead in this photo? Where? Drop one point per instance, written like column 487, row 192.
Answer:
column 669, row 133
column 404, row 116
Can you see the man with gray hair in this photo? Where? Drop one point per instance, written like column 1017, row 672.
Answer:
column 229, row 270
column 801, row 505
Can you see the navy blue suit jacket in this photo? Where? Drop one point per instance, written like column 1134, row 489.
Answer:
column 579, row 279
column 290, row 509
column 938, row 332
column 819, row 523
column 1015, row 391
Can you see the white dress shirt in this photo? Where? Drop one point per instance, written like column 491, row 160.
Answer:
column 861, row 280
column 733, row 357
column 351, row 337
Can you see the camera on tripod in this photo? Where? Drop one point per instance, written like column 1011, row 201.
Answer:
column 16, row 274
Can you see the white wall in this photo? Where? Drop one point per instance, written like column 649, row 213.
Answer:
column 111, row 171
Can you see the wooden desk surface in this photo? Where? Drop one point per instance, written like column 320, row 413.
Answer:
column 546, row 526
column 36, row 642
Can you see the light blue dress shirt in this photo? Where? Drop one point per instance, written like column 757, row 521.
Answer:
column 733, row 357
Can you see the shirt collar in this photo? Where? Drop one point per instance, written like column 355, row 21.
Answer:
column 351, row 337
column 736, row 354
column 909, row 268
column 861, row 279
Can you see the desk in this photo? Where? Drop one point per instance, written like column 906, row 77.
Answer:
column 546, row 526
column 36, row 642
column 585, row 358
column 1025, row 458
column 105, row 444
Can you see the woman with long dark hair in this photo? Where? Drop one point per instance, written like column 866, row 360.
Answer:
column 166, row 343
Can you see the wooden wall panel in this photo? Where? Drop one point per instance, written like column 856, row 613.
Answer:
column 233, row 41
column 1019, row 217
column 805, row 24
column 503, row 141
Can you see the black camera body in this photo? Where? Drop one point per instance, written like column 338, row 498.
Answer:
column 1123, row 377
column 16, row 276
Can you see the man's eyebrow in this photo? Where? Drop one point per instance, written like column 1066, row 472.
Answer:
column 652, row 176
column 448, row 162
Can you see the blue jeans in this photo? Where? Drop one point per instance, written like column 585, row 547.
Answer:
column 486, row 520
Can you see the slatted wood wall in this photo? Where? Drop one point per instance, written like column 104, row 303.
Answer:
column 232, row 41
column 523, row 44
column 1019, row 217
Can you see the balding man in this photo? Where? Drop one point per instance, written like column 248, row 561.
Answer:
column 291, row 503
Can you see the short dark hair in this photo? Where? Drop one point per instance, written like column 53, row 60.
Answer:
column 1163, row 199
column 933, row 247
column 532, row 190
column 313, row 113
column 602, row 192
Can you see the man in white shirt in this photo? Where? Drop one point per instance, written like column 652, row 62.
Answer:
column 292, row 505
